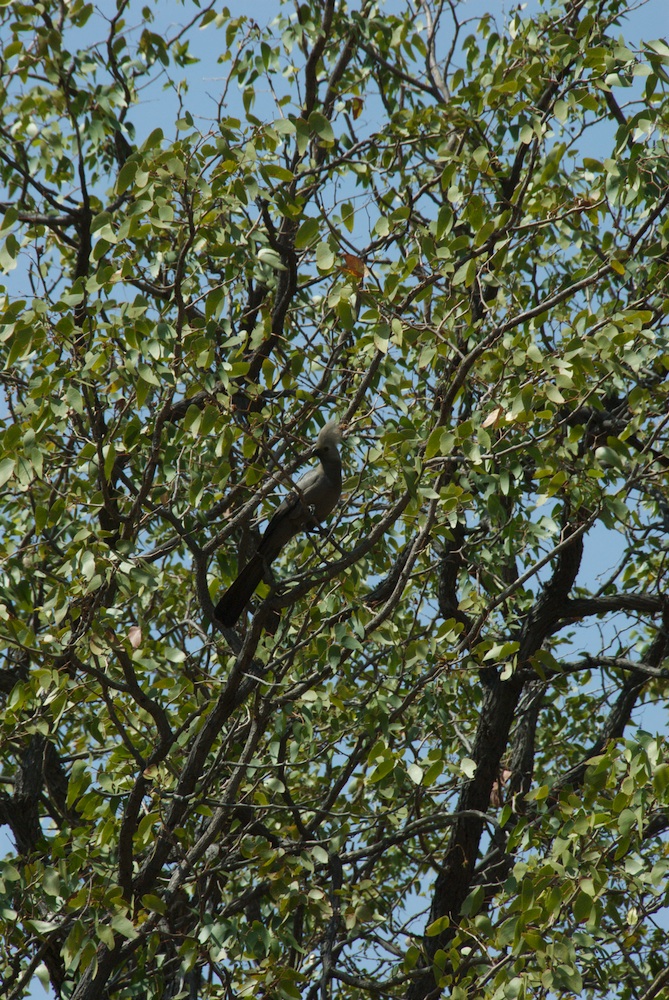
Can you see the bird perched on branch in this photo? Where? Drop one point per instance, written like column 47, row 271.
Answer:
column 314, row 497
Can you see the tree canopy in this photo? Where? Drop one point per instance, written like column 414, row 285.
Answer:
column 415, row 768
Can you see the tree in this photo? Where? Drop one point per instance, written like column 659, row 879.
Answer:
column 414, row 769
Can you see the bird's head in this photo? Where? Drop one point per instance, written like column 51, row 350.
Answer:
column 328, row 440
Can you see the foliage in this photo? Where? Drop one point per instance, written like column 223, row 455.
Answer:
column 401, row 776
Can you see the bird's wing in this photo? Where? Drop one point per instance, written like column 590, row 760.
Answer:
column 299, row 497
column 291, row 516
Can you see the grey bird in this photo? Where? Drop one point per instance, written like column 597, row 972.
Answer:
column 314, row 497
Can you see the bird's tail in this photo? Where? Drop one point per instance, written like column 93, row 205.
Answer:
column 239, row 593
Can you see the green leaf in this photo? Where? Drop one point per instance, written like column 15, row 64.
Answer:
column 126, row 175
column 7, row 466
column 154, row 138
column 120, row 923
column 154, row 903
column 43, row 926
column 468, row 767
column 661, row 779
column 271, row 257
column 561, row 109
column 307, row 233
column 438, row 926
column 147, row 374
column 659, row 46
column 321, row 126
column 465, row 274
column 325, row 257
column 415, row 773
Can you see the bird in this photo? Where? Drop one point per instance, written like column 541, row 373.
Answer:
column 315, row 496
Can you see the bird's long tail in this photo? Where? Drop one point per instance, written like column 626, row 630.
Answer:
column 239, row 593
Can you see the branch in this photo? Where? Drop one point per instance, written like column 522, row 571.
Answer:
column 619, row 715
column 311, row 68
column 418, row 84
column 590, row 662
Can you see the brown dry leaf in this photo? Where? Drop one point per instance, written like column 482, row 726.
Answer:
column 354, row 266
column 494, row 417
column 497, row 790
column 135, row 636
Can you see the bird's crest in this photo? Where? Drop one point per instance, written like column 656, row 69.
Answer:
column 330, row 434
